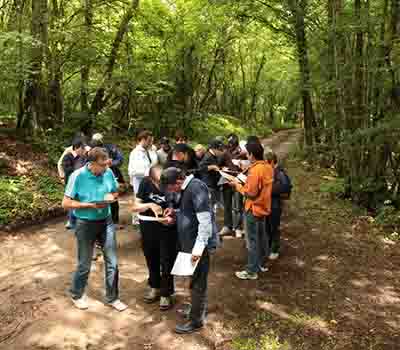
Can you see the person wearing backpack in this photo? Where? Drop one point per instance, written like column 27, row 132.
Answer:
column 281, row 190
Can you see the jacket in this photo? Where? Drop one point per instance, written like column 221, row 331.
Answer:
column 258, row 189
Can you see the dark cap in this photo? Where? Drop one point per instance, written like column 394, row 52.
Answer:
column 216, row 144
column 170, row 176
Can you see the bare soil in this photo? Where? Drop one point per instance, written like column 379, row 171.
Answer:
column 335, row 286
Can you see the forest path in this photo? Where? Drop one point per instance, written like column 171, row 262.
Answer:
column 36, row 312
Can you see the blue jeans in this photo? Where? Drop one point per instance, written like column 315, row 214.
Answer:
column 87, row 233
column 257, row 242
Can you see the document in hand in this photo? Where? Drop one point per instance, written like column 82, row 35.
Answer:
column 241, row 177
column 150, row 218
column 183, row 265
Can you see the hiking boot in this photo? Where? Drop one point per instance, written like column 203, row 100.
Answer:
column 245, row 275
column 226, row 231
column 118, row 305
column 151, row 295
column 188, row 328
column 166, row 303
column 81, row 303
column 273, row 256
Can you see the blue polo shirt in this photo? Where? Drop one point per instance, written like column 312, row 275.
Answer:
column 84, row 186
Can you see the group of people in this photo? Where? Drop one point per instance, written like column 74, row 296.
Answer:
column 177, row 191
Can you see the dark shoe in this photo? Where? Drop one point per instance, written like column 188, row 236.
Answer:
column 187, row 328
column 166, row 303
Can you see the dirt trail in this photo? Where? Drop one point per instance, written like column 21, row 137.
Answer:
column 35, row 312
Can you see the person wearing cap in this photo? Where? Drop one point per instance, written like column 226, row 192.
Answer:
column 195, row 224
column 114, row 162
column 87, row 189
column 163, row 151
column 181, row 157
column 257, row 193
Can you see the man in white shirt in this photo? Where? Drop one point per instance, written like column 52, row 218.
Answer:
column 141, row 159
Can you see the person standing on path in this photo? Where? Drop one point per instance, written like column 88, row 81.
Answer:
column 164, row 151
column 86, row 189
column 114, row 162
column 72, row 161
column 159, row 241
column 141, row 159
column 257, row 194
column 194, row 220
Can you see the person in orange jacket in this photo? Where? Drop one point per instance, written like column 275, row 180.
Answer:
column 257, row 193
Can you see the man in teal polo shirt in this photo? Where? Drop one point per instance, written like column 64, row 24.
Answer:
column 86, row 188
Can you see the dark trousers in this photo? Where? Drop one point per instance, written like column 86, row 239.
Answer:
column 87, row 233
column 115, row 212
column 159, row 245
column 233, row 208
column 199, row 287
column 273, row 228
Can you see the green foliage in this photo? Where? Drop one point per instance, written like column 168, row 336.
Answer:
column 389, row 217
column 335, row 186
column 23, row 197
column 210, row 126
column 268, row 341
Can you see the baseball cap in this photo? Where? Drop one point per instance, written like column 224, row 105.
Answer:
column 182, row 148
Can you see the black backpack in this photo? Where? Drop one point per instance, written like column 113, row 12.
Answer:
column 285, row 183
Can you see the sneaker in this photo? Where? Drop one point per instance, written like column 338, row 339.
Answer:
column 239, row 233
column 68, row 225
column 244, row 275
column 225, row 231
column 81, row 303
column 264, row 269
column 189, row 327
column 151, row 295
column 166, row 303
column 118, row 305
column 273, row 256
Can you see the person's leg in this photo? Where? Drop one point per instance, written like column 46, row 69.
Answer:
column 110, row 261
column 252, row 227
column 275, row 230
column 263, row 241
column 227, row 192
column 151, row 251
column 237, row 211
column 199, row 290
column 115, row 212
column 168, row 252
column 85, row 237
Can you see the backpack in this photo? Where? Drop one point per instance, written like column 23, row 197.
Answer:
column 285, row 183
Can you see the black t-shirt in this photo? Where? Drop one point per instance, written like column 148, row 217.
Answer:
column 149, row 193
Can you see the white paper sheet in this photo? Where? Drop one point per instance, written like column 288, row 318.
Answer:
column 149, row 218
column 183, row 265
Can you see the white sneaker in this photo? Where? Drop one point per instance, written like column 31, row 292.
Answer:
column 81, row 303
column 151, row 295
column 118, row 305
column 273, row 256
column 239, row 233
column 264, row 269
column 245, row 275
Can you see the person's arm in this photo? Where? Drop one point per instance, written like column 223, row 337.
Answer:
column 137, row 206
column 208, row 165
column 251, row 188
column 204, row 216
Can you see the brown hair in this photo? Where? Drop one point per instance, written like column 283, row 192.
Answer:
column 180, row 136
column 96, row 154
column 144, row 135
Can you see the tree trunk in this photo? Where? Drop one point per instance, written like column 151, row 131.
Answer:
column 253, row 108
column 36, row 96
column 298, row 8
column 85, row 70
column 100, row 99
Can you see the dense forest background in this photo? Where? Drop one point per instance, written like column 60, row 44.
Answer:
column 118, row 66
